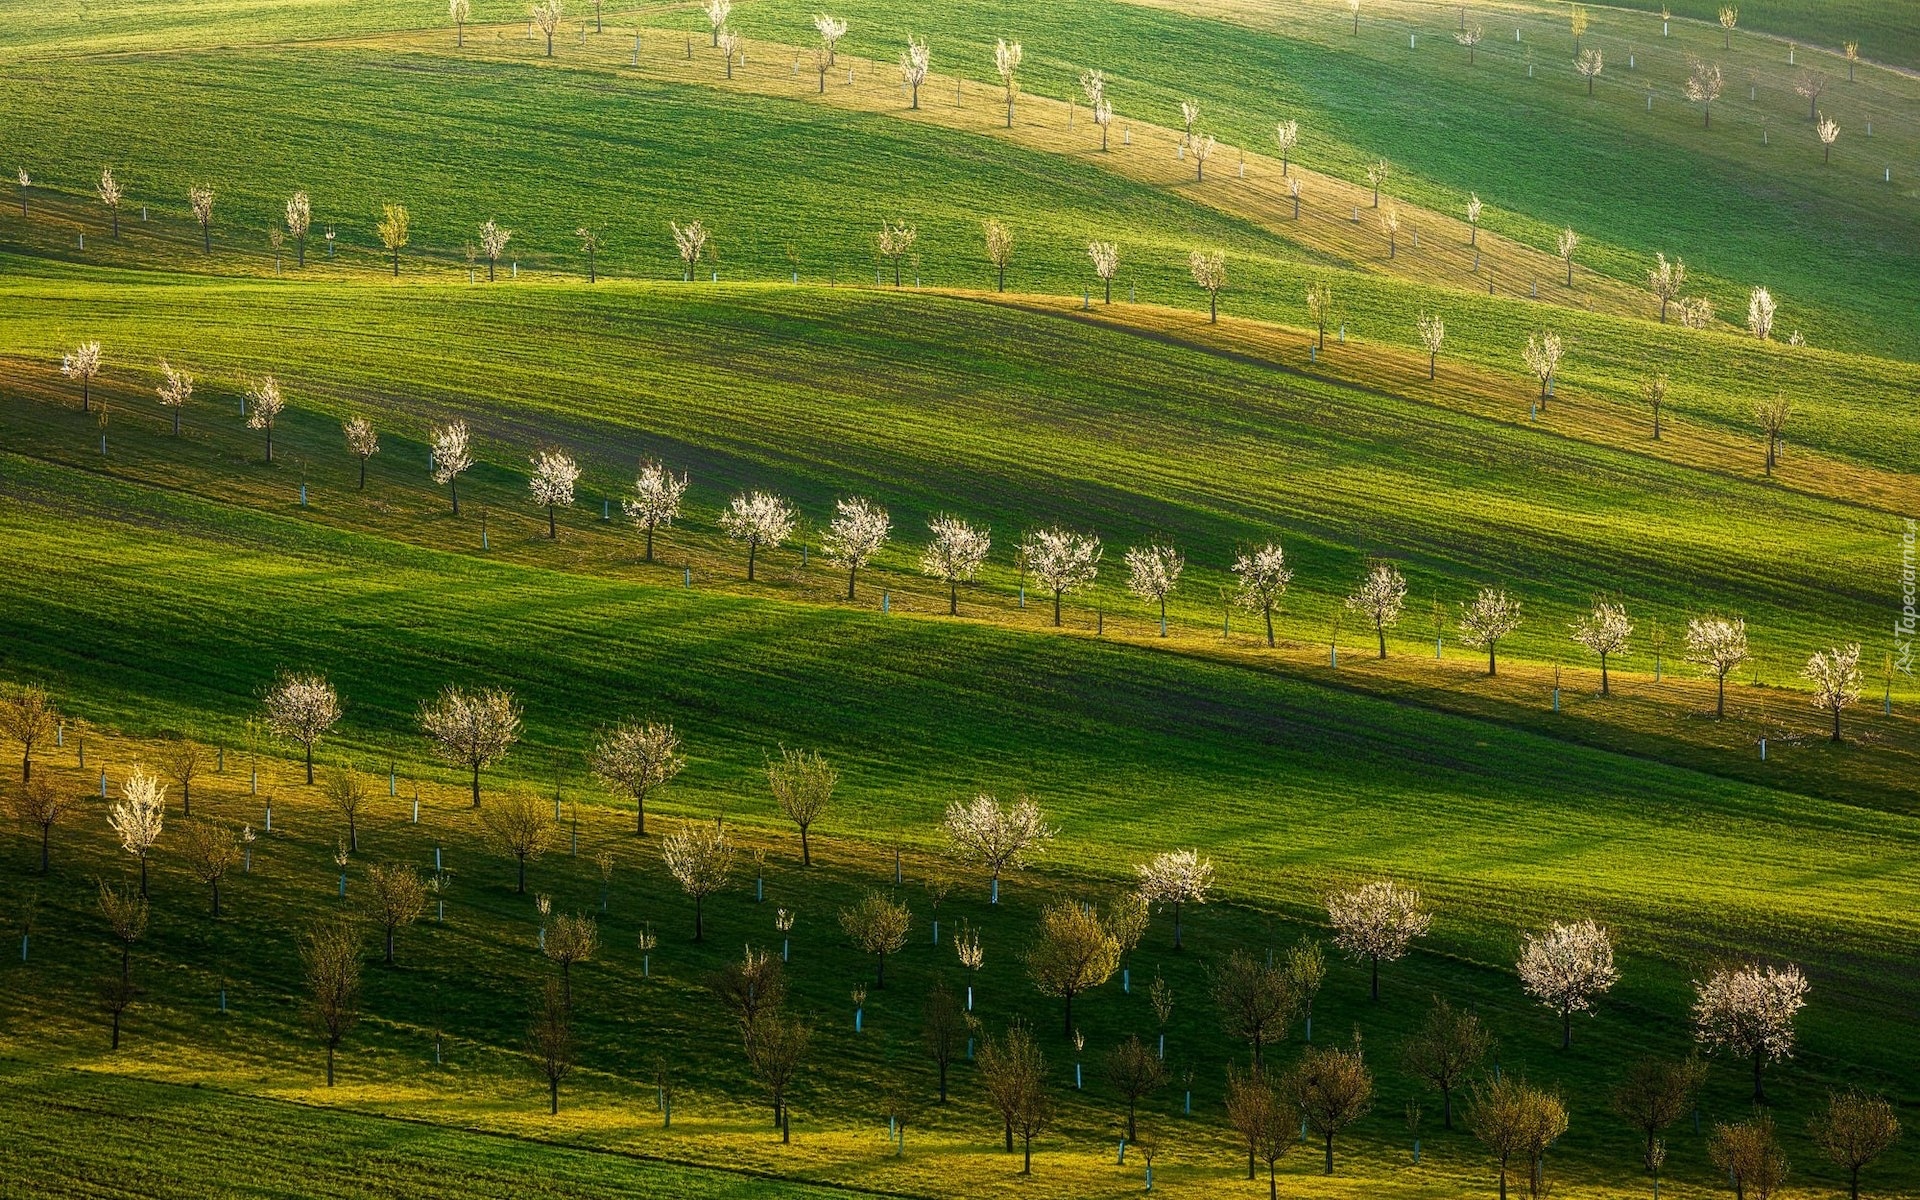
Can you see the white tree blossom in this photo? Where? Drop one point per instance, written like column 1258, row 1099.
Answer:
column 1209, row 271
column 547, row 14
column 1703, row 87
column 1473, row 218
column 915, row 62
column 1153, row 571
column 139, row 816
column 1381, row 596
column 1696, row 312
column 83, row 363
column 858, row 530
column 493, row 243
column 1749, row 1012
column 691, row 241
column 1542, row 357
column 264, row 406
column 638, row 757
column 1760, row 311
column 460, row 11
column 1006, row 64
column 1835, row 675
column 1433, row 332
column 362, row 440
column 1566, row 968
column 999, row 249
column 471, row 729
column 955, row 554
column 1490, row 616
column 1828, row 132
column 551, row 482
column 1665, row 281
column 1565, row 245
column 1063, row 561
column 302, row 708
column 299, row 220
column 1286, row 135
column 1378, row 172
column 1174, row 878
column 758, row 519
column 1604, row 631
column 1264, row 575
column 894, row 242
column 1729, row 17
column 1589, row 65
column 656, row 499
column 111, row 195
column 451, row 456
column 699, row 856
column 1470, row 38
column 717, row 13
column 1377, row 922
column 1189, row 113
column 996, row 837
column 176, row 388
column 1390, row 225
column 1106, row 261
column 732, row 45
column 1717, row 645
column 1202, row 149
column 831, row 30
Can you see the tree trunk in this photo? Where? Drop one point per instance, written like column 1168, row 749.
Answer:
column 1759, row 1093
column 206, row 238
column 943, row 1081
column 880, row 975
column 216, row 899
column 752, row 550
column 389, row 945
column 1446, row 1106
column 1492, row 665
column 851, row 573
column 522, row 886
column 1381, row 631
column 1376, row 977
column 1176, row 925
column 453, row 489
column 1213, row 307
column 699, row 933
column 1069, row 1021
column 396, row 264
column 1329, row 1169
column 1604, row 689
column 1720, row 700
column 553, row 1096
column 1026, row 1139
column 269, row 443
column 1566, row 1028
column 116, row 1030
column 1268, row 611
column 1056, row 607
column 552, row 531
column 806, row 853
column 329, row 1064
column 640, row 814
column 363, row 461
column 476, row 783
column 46, row 833
column 1836, row 723
column 953, row 597
column 649, row 541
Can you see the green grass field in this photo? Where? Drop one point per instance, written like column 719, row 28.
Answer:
column 157, row 587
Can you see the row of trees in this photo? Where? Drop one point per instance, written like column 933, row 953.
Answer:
column 1747, row 1011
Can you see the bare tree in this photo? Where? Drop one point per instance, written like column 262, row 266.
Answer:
column 1433, row 332
column 1262, row 1120
column 1320, row 308
column 1135, row 1072
column 1376, row 922
column 520, row 827
column 1174, row 878
column 1696, row 312
column 1835, row 675
column 211, row 850
column 758, row 519
column 347, row 792
column 302, row 708
column 396, row 896
column 915, row 61
column 41, row 802
column 546, row 14
column 550, row 1044
column 1382, row 595
column 1604, row 631
column 858, row 531
column 1717, row 645
column 573, row 938
column 471, row 729
column 802, row 783
column 460, row 11
column 1209, row 271
column 877, row 925
column 1750, row 1154
column 1445, row 1050
column 1808, row 85
column 1106, row 261
column 637, row 758
column 394, row 231
column 1589, row 65
column 656, row 499
column 1514, row 1119
column 139, row 817
column 1760, row 313
column 1566, row 967
column 944, row 1029
column 1014, row 1074
column 83, row 363
column 452, row 456
column 299, row 220
column 28, row 716
column 1854, row 1129
column 551, row 482
column 1332, row 1088
column 754, row 984
column 894, row 242
column 111, row 195
column 1703, row 86
column 776, row 1045
column 1073, row 952
column 1153, row 572
column 1257, row 1000
column 1490, row 616
column 1063, row 562
column 999, row 250
column 126, row 913
column 996, row 837
column 1006, row 64
column 200, row 197
column 264, row 406
column 1653, row 1095
column 493, row 243
column 1749, row 1012
column 699, row 856
column 1264, row 575
column 330, row 956
column 362, row 441
column 955, row 555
